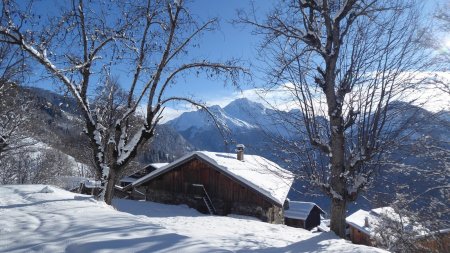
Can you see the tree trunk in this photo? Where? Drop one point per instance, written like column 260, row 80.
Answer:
column 337, row 184
column 338, row 214
column 109, row 189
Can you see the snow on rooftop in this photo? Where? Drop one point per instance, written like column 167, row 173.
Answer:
column 128, row 179
column 376, row 215
column 92, row 183
column 299, row 210
column 157, row 165
column 357, row 219
column 260, row 174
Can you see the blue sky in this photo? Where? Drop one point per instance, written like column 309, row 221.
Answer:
column 232, row 41
column 229, row 41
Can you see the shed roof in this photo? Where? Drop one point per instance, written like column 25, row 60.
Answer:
column 256, row 172
column 374, row 216
column 300, row 210
column 357, row 220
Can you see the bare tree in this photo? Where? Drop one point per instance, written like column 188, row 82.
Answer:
column 50, row 166
column 398, row 232
column 36, row 165
column 12, row 105
column 342, row 63
column 147, row 41
column 443, row 20
column 17, row 168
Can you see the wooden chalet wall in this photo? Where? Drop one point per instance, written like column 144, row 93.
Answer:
column 227, row 195
column 358, row 237
column 296, row 223
column 313, row 219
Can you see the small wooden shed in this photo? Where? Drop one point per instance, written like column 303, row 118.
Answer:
column 220, row 183
column 361, row 226
column 302, row 214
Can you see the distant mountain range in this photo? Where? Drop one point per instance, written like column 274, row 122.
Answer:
column 244, row 121
column 255, row 126
column 57, row 123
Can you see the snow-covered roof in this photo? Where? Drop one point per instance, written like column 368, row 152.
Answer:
column 258, row 173
column 444, row 232
column 300, row 210
column 128, row 179
column 92, row 184
column 357, row 220
column 157, row 165
column 374, row 217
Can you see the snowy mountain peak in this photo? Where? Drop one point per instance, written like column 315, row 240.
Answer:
column 246, row 120
column 233, row 116
column 243, row 104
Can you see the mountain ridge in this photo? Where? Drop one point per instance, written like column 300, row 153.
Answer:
column 260, row 141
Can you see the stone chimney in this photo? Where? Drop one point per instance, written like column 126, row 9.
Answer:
column 240, row 152
column 366, row 221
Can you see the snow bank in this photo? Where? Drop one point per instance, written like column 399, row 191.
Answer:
column 237, row 233
column 62, row 221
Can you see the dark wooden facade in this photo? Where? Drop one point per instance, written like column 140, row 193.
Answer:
column 296, row 223
column 227, row 194
column 359, row 237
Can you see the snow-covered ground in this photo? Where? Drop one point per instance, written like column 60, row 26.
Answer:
column 37, row 220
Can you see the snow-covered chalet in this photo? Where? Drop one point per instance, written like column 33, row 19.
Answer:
column 220, row 183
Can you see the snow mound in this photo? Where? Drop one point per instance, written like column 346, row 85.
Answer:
column 47, row 189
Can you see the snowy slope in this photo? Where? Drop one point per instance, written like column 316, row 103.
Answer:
column 38, row 147
column 60, row 221
column 55, row 120
column 43, row 163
